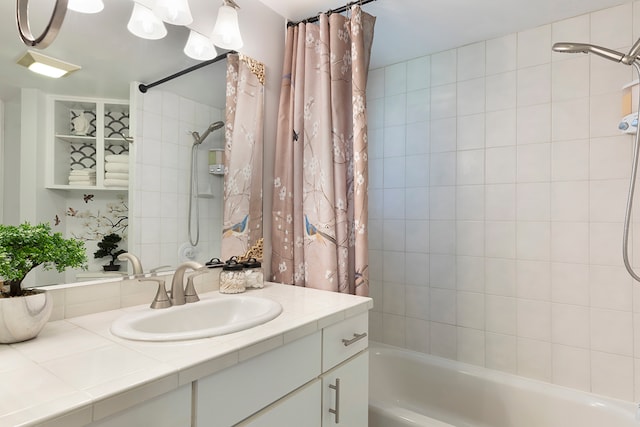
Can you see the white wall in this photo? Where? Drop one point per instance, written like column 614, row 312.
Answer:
column 497, row 195
column 11, row 168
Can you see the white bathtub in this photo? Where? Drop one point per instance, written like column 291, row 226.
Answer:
column 409, row 389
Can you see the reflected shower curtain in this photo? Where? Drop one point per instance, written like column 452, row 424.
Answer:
column 242, row 213
column 319, row 218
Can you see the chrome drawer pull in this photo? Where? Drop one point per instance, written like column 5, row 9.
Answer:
column 336, row 411
column 356, row 338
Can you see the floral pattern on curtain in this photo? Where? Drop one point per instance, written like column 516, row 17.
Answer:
column 319, row 218
column 242, row 213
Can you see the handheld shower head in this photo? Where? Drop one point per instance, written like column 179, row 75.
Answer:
column 212, row 127
column 604, row 52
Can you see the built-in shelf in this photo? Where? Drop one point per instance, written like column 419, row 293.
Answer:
column 84, row 131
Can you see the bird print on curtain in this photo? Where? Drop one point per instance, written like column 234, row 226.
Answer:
column 319, row 216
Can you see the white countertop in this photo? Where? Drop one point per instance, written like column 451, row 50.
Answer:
column 77, row 371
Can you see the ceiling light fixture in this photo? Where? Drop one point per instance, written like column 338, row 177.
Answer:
column 226, row 32
column 148, row 23
column 145, row 24
column 86, row 6
column 200, row 47
column 174, row 12
column 46, row 65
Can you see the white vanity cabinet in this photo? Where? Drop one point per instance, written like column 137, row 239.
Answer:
column 294, row 385
column 345, row 378
column 172, row 409
column 345, row 395
column 81, row 133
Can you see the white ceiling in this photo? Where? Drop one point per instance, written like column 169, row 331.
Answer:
column 411, row 28
column 111, row 57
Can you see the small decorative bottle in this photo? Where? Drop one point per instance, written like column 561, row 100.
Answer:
column 232, row 278
column 253, row 273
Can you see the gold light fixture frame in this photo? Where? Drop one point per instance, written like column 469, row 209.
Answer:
column 51, row 30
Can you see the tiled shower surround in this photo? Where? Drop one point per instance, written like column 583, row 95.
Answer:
column 498, row 183
column 163, row 165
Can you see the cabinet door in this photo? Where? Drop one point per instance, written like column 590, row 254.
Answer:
column 345, row 393
column 168, row 410
column 300, row 408
column 230, row 396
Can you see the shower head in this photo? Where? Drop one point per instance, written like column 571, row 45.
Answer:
column 590, row 48
column 632, row 56
column 212, row 127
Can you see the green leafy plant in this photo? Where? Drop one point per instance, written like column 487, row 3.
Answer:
column 108, row 246
column 25, row 247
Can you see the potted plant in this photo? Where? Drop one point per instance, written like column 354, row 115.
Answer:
column 107, row 247
column 24, row 312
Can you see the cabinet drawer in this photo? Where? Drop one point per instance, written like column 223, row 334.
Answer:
column 230, row 396
column 344, row 339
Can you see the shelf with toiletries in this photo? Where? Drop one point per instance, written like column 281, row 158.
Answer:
column 629, row 122
column 88, row 136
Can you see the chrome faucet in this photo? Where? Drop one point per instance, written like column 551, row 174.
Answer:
column 162, row 299
column 135, row 262
column 177, row 284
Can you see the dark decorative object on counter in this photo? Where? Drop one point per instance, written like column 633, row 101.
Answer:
column 107, row 247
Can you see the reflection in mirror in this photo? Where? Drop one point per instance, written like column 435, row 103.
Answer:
column 171, row 165
column 156, row 227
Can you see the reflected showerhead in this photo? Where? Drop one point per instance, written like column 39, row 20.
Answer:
column 604, row 52
column 212, row 127
column 216, row 125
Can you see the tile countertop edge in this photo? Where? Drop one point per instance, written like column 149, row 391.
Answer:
column 183, row 373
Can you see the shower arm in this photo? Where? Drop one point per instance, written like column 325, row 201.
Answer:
column 212, row 127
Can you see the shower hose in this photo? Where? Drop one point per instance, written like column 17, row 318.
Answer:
column 194, row 183
column 632, row 187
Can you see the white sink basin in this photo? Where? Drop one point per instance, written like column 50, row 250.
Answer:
column 206, row 318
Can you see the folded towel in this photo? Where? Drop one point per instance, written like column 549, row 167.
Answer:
column 116, row 182
column 117, row 158
column 116, row 175
column 83, row 172
column 116, row 167
column 82, row 183
column 81, row 178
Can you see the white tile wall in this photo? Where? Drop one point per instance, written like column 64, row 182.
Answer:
column 163, row 162
column 499, row 182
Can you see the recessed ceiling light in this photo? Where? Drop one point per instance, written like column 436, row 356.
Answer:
column 46, row 65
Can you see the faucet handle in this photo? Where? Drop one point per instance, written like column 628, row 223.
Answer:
column 190, row 293
column 160, row 268
column 162, row 299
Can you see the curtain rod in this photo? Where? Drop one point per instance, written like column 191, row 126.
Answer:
column 143, row 88
column 338, row 10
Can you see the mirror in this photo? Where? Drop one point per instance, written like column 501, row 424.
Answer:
column 111, row 59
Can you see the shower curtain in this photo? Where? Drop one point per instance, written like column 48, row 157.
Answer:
column 319, row 218
column 242, row 212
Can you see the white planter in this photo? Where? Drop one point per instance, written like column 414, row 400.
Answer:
column 22, row 318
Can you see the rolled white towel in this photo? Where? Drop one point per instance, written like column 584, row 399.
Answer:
column 116, row 175
column 116, row 167
column 117, row 158
column 116, row 182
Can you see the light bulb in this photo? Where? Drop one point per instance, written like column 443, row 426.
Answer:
column 145, row 24
column 226, row 32
column 199, row 47
column 174, row 12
